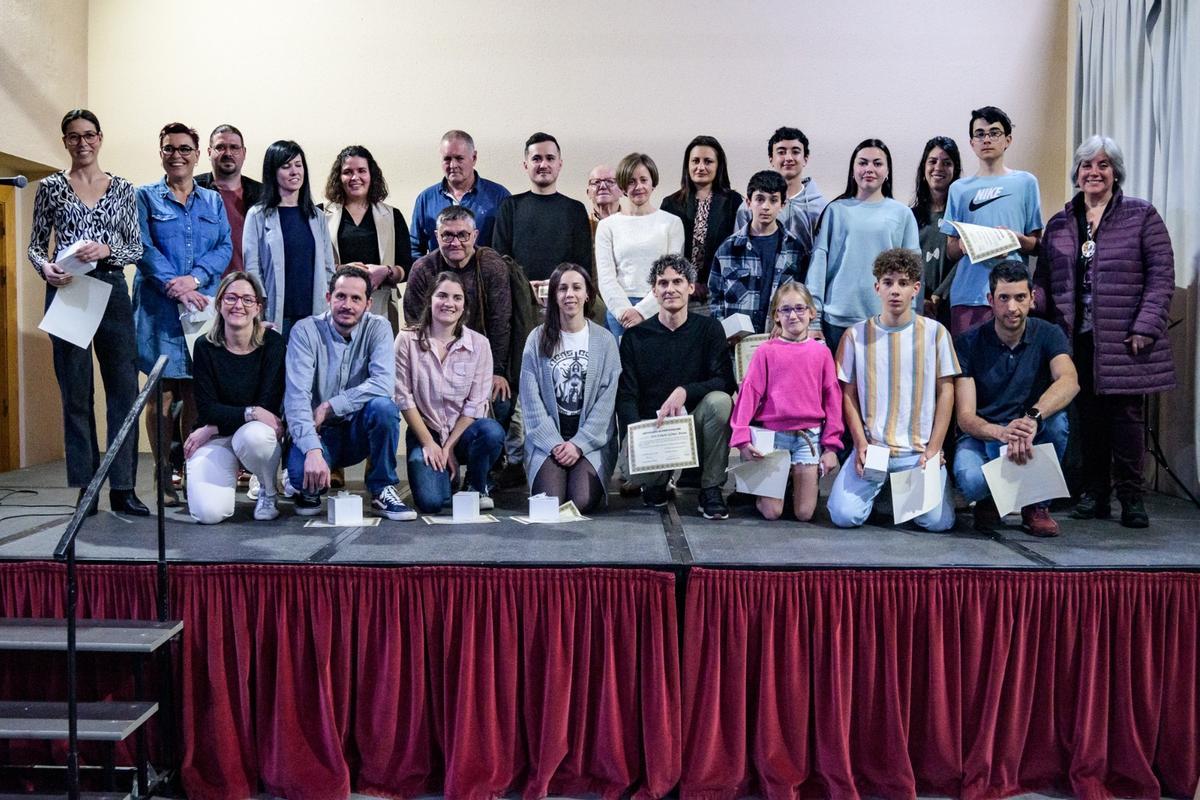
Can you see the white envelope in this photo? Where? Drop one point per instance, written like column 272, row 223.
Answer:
column 1015, row 486
column 67, row 261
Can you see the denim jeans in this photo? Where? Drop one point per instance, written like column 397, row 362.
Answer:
column 614, row 324
column 477, row 448
column 372, row 432
column 970, row 454
column 116, row 351
column 852, row 498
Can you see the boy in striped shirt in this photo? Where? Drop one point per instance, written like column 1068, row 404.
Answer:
column 897, row 372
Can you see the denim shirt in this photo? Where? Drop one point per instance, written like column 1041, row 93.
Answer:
column 177, row 239
column 483, row 200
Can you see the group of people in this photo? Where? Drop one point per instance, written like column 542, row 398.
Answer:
column 322, row 325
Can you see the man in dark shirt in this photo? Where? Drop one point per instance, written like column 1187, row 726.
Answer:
column 1017, row 379
column 541, row 228
column 674, row 364
column 489, row 304
column 227, row 154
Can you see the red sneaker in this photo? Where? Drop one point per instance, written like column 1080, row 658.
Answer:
column 1036, row 521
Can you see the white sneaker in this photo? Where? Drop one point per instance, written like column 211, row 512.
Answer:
column 264, row 508
column 253, row 487
column 288, row 490
column 486, row 503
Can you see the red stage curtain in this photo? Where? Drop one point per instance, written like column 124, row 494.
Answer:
column 471, row 682
column 976, row 684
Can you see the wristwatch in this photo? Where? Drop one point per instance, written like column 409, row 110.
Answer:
column 1034, row 414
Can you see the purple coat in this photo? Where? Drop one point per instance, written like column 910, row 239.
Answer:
column 1133, row 281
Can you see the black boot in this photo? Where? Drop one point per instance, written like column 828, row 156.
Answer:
column 91, row 512
column 1092, row 505
column 124, row 501
column 1133, row 513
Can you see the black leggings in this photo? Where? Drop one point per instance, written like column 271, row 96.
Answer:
column 579, row 483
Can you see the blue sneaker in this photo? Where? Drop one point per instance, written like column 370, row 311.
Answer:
column 388, row 504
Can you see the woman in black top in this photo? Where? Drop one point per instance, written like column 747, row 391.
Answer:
column 941, row 165
column 366, row 232
column 708, row 208
column 238, row 375
column 95, row 212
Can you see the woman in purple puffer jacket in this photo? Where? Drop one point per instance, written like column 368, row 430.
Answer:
column 1111, row 274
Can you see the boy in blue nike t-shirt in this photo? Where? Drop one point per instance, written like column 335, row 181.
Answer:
column 997, row 197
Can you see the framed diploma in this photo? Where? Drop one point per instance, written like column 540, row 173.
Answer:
column 742, row 352
column 657, row 448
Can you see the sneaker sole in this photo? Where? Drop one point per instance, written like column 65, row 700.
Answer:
column 308, row 512
column 395, row 516
column 266, row 518
column 718, row 515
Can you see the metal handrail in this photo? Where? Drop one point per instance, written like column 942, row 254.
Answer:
column 66, row 551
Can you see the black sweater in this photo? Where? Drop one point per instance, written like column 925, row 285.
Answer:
column 225, row 383
column 542, row 231
column 655, row 360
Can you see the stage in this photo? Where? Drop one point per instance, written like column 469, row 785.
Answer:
column 646, row 653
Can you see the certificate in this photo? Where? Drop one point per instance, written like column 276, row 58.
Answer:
column 657, row 448
column 742, row 352
column 982, row 242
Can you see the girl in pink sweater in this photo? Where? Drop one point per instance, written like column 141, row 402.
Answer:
column 791, row 388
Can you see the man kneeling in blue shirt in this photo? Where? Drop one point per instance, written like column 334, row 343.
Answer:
column 341, row 374
column 1017, row 379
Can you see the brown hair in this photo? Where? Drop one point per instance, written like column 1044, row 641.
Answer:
column 631, row 162
column 216, row 334
column 426, row 321
column 552, row 330
column 788, row 287
column 898, row 259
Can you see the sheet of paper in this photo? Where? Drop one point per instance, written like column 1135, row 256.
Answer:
column 482, row 518
column 67, row 261
column 1015, row 486
column 567, row 512
column 982, row 242
column 762, row 439
column 196, row 324
column 764, row 477
column 367, row 522
column 742, row 353
column 916, row 491
column 76, row 311
column 670, row 446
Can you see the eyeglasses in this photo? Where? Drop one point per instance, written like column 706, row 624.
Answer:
column 184, row 150
column 787, row 311
column 228, row 148
column 992, row 135
column 449, row 237
column 231, row 300
column 601, row 183
column 74, row 139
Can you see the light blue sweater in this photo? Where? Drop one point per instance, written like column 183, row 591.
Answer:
column 851, row 235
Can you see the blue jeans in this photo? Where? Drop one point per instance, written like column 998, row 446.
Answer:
column 614, row 324
column 372, row 432
column 970, row 454
column 852, row 498
column 478, row 448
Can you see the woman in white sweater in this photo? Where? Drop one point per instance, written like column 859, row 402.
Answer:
column 629, row 242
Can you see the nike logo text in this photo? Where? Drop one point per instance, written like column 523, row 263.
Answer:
column 985, row 196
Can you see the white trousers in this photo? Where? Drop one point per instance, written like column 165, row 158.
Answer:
column 212, row 470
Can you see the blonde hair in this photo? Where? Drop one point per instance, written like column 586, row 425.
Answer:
column 216, row 334
column 788, row 287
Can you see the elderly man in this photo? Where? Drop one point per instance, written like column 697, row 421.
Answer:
column 341, row 373
column 462, row 186
column 227, row 154
column 458, row 252
column 604, row 194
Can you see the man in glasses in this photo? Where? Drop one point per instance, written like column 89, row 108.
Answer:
column 227, row 154
column 485, row 278
column 760, row 255
column 997, row 197
column 461, row 186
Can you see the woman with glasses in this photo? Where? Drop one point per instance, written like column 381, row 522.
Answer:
column 286, row 242
column 627, row 244
column 708, row 207
column 365, row 231
column 857, row 226
column 94, row 212
column 940, row 166
column 186, row 246
column 238, row 369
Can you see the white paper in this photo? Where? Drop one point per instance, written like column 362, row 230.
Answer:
column 196, row 323
column 481, row 519
column 1015, row 486
column 763, row 477
column 670, row 446
column 67, row 261
column 76, row 311
column 762, row 439
column 916, row 491
column 367, row 522
column 567, row 512
column 982, row 242
column 737, row 325
column 876, row 468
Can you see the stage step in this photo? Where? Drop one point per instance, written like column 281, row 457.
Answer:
column 98, row 722
column 91, row 635
column 82, row 795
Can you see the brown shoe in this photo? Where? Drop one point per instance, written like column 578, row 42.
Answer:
column 1036, row 521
